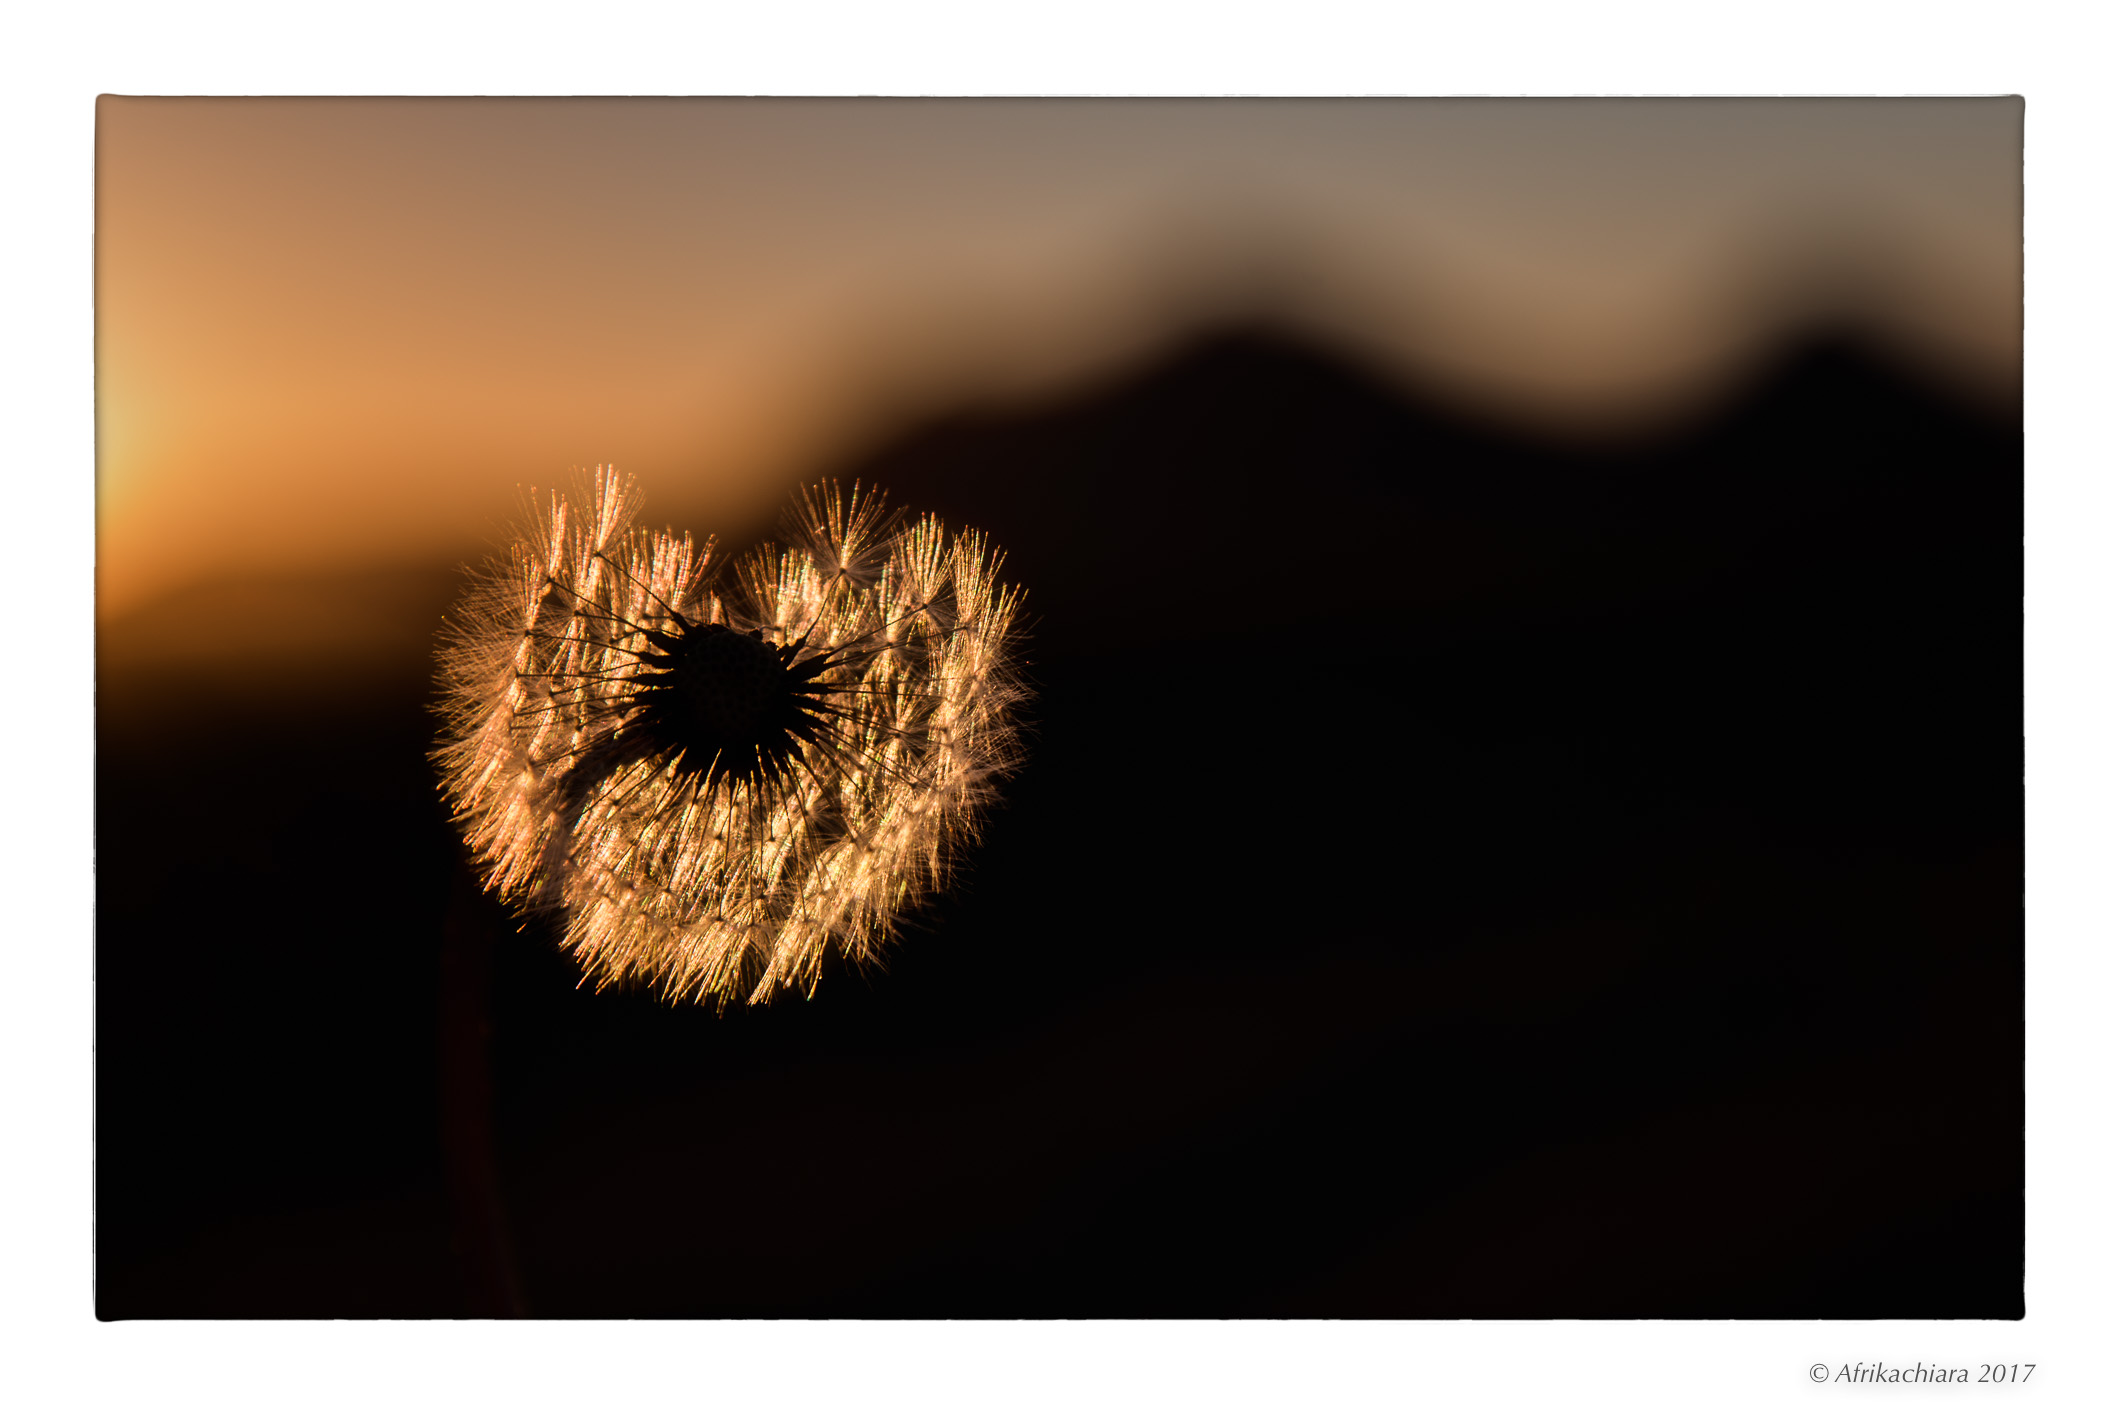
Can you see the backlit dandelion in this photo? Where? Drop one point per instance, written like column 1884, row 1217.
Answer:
column 719, row 774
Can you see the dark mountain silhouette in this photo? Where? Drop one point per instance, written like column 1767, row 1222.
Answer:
column 1458, row 873
column 1841, row 543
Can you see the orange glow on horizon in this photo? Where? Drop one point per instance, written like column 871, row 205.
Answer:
column 338, row 333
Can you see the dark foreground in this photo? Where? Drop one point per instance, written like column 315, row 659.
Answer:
column 1456, row 876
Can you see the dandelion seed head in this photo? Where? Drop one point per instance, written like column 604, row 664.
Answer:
column 719, row 773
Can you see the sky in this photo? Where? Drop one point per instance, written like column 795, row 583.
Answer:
column 335, row 334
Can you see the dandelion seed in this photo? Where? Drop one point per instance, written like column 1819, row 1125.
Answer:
column 719, row 774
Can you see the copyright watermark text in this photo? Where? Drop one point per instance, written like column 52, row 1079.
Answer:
column 1884, row 1373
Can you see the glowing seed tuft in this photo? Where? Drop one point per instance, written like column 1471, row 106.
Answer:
column 717, row 780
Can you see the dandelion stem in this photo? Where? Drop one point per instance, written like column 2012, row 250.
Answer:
column 492, row 1288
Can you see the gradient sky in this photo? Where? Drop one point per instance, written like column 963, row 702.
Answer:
column 337, row 333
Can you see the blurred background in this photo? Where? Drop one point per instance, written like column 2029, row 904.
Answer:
column 1601, row 897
